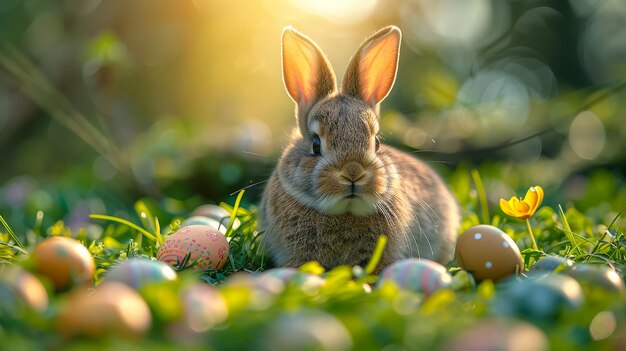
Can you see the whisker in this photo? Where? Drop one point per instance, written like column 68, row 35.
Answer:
column 249, row 186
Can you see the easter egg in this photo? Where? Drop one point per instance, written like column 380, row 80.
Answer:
column 551, row 263
column 418, row 275
column 137, row 272
column 500, row 334
column 25, row 287
column 541, row 299
column 282, row 273
column 488, row 253
column 287, row 275
column 113, row 309
column 207, row 221
column 307, row 330
column 64, row 261
column 597, row 275
column 217, row 213
column 203, row 307
column 205, row 245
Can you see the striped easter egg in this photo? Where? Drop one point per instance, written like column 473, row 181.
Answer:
column 206, row 246
column 137, row 272
column 418, row 275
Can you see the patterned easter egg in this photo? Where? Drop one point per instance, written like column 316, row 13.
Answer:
column 418, row 275
column 201, row 220
column 65, row 261
column 488, row 253
column 137, row 272
column 114, row 309
column 205, row 245
column 24, row 287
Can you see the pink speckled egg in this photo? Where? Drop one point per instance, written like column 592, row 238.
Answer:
column 418, row 275
column 205, row 245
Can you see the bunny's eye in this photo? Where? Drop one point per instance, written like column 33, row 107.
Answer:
column 377, row 143
column 317, row 145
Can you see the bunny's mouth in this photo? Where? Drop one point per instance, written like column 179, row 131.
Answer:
column 355, row 204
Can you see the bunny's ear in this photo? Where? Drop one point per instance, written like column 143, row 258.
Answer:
column 307, row 74
column 372, row 71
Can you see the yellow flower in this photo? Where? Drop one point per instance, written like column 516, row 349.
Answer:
column 523, row 208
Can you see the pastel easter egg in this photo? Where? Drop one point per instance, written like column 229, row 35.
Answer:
column 288, row 275
column 216, row 212
column 541, row 299
column 418, row 275
column 138, row 272
column 551, row 263
column 113, row 309
column 488, row 253
column 64, row 261
column 597, row 275
column 24, row 287
column 201, row 220
column 500, row 334
column 205, row 245
column 306, row 330
column 203, row 307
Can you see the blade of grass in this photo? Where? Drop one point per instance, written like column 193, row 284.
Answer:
column 11, row 233
column 568, row 231
column 378, row 252
column 482, row 196
column 619, row 214
column 233, row 214
column 124, row 222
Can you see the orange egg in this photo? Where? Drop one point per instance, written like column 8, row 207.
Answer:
column 113, row 309
column 205, row 245
column 488, row 253
column 30, row 290
column 65, row 261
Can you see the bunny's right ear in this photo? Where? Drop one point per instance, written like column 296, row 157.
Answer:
column 307, row 74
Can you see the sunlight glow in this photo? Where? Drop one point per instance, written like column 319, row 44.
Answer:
column 345, row 11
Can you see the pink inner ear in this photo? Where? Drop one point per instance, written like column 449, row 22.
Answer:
column 378, row 63
column 300, row 67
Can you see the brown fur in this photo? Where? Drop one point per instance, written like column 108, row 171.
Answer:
column 332, row 207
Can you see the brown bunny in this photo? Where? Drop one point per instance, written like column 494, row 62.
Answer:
column 337, row 188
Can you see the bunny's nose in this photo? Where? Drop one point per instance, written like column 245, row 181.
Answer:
column 353, row 172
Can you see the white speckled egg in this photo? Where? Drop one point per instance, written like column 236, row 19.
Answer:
column 205, row 245
column 488, row 253
column 418, row 275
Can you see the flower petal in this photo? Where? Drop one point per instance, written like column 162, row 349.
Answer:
column 505, row 206
column 533, row 198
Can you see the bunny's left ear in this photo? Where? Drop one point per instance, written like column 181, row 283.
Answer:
column 372, row 71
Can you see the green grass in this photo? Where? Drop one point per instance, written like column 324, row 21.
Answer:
column 369, row 318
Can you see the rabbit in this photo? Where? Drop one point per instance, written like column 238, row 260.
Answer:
column 337, row 187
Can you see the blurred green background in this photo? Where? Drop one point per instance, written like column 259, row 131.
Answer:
column 182, row 101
